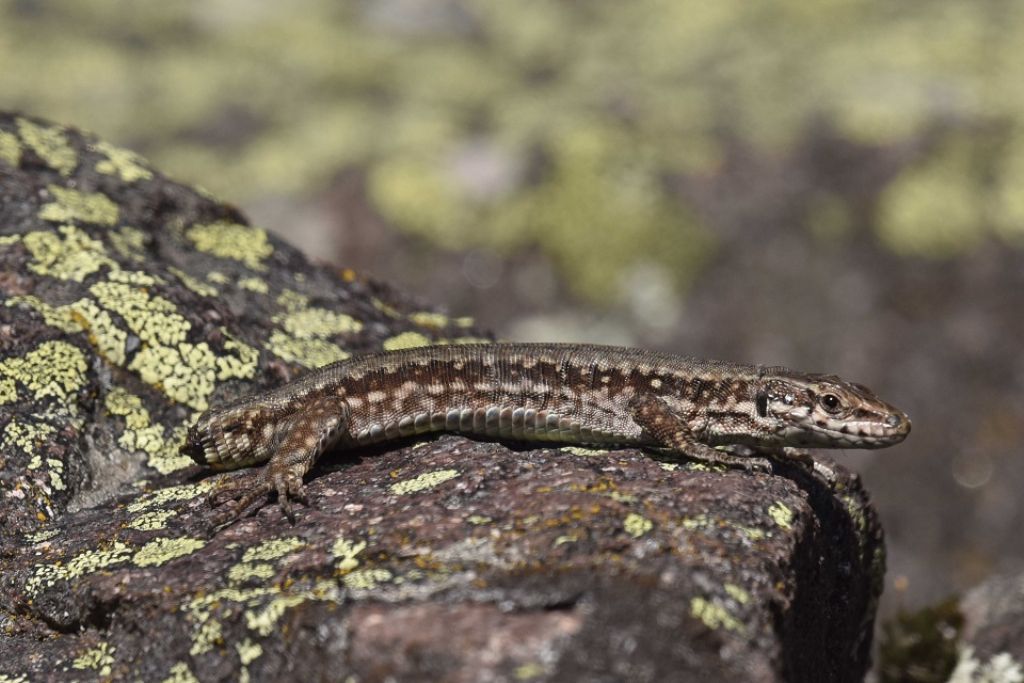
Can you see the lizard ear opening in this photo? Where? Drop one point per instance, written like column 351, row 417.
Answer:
column 761, row 400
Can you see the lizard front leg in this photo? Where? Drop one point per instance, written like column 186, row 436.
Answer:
column 670, row 431
column 303, row 437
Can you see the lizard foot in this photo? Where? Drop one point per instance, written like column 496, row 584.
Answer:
column 244, row 492
column 749, row 460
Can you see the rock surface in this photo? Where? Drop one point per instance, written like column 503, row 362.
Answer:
column 128, row 303
column 991, row 646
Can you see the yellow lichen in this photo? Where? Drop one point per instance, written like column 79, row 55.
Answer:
column 636, row 525
column 406, row 340
column 141, row 434
column 273, row 549
column 346, row 551
column 290, row 300
column 310, row 353
column 248, row 651
column 254, row 284
column 29, row 437
column 366, row 579
column 244, row 571
column 197, row 286
column 714, row 615
column 25, row 436
column 8, row 390
column 208, row 635
column 10, row 148
column 98, row 658
column 429, row 319
column 103, row 333
column 781, row 514
column 135, row 277
column 529, row 671
column 302, row 337
column 129, row 242
column 423, row 481
column 384, row 308
column 82, row 316
column 180, row 673
column 53, row 369
column 50, row 144
column 152, row 520
column 262, row 621
column 171, row 494
column 312, row 323
column 736, row 593
column 264, row 607
column 224, row 239
column 85, row 562
column 56, row 474
column 185, row 372
column 241, row 364
column 123, row 163
column 752, row 533
column 153, row 318
column 69, row 255
column 162, row 550
column 700, row 521
column 72, row 206
column 41, row 536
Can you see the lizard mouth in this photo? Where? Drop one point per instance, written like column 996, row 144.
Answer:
column 863, row 434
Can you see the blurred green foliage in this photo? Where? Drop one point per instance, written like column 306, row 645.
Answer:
column 921, row 647
column 543, row 123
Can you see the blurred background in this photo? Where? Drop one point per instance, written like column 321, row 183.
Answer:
column 836, row 186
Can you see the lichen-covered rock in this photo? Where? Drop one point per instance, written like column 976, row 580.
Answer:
column 128, row 303
column 992, row 640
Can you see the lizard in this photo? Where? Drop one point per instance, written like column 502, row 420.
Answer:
column 534, row 393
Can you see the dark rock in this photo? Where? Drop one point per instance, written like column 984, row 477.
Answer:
column 130, row 303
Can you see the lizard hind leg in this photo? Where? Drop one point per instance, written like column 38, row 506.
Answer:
column 304, row 437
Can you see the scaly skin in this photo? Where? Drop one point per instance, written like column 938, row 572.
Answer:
column 561, row 393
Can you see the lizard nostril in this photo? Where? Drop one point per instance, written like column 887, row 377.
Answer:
column 893, row 421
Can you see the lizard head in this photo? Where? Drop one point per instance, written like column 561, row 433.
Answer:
column 230, row 437
column 825, row 411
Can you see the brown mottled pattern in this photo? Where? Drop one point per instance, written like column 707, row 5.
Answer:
column 565, row 393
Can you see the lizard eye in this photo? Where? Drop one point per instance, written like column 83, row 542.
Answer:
column 830, row 402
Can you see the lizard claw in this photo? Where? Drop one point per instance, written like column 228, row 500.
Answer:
column 288, row 485
column 237, row 492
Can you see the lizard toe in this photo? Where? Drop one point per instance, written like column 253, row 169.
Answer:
column 232, row 486
column 288, row 485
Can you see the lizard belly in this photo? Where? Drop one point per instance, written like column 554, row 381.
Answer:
column 493, row 421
